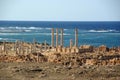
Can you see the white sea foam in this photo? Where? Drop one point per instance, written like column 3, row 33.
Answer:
column 103, row 31
column 27, row 30
column 50, row 34
column 17, row 29
column 31, row 27
column 66, row 34
column 65, row 29
column 1, row 38
column 2, row 28
column 23, row 28
column 8, row 39
column 11, row 31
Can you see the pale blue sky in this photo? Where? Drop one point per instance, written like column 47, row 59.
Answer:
column 60, row 10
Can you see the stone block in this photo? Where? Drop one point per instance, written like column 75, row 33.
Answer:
column 64, row 50
column 68, row 50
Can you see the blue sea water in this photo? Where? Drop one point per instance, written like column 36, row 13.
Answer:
column 90, row 33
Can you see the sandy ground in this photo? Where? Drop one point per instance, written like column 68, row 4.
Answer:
column 52, row 71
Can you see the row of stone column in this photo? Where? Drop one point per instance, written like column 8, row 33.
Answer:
column 57, row 37
column 61, row 38
column 16, row 48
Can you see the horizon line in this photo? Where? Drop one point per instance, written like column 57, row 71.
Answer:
column 54, row 21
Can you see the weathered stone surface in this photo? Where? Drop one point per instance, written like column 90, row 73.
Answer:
column 86, row 48
column 73, row 50
column 59, row 49
column 63, row 50
column 103, row 48
column 91, row 61
column 68, row 50
column 53, row 57
column 74, row 56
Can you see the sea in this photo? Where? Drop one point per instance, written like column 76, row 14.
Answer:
column 89, row 33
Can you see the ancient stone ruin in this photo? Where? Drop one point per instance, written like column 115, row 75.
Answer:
column 72, row 55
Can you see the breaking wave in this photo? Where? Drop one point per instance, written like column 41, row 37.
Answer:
column 22, row 29
column 8, row 39
column 30, row 34
column 19, row 29
column 103, row 31
column 1, row 38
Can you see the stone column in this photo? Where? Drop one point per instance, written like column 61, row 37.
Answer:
column 16, row 46
column 61, row 40
column 31, row 47
column 0, row 49
column 45, row 44
column 19, row 47
column 76, row 37
column 52, row 37
column 71, row 43
column 22, row 47
column 4, row 46
column 37, row 57
column 27, row 51
column 56, row 37
column 34, row 45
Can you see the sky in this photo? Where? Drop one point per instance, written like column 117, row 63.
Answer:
column 60, row 10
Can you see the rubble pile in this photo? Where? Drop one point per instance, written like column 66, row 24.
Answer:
column 33, row 57
column 82, row 59
column 88, row 55
column 4, row 58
